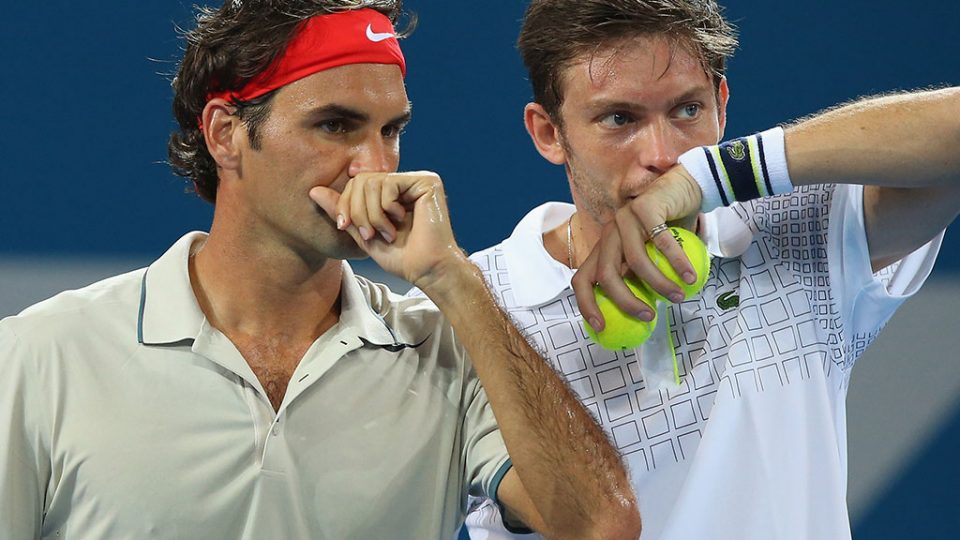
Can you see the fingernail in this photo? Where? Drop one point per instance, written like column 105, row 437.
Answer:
column 595, row 323
column 340, row 221
column 676, row 298
column 386, row 236
column 364, row 233
column 689, row 277
column 645, row 315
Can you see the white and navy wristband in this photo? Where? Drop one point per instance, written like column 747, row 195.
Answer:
column 740, row 170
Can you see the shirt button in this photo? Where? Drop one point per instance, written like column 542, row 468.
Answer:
column 276, row 430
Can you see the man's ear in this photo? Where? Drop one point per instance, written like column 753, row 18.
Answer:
column 723, row 96
column 544, row 133
column 220, row 130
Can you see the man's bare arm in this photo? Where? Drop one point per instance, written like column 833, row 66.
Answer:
column 904, row 148
column 568, row 480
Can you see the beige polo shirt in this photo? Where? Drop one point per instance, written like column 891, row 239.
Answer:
column 124, row 414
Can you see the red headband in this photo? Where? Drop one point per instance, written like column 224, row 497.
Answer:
column 360, row 36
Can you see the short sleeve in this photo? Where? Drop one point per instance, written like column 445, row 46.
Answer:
column 484, row 454
column 24, row 464
column 867, row 300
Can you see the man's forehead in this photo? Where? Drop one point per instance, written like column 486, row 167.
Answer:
column 373, row 87
column 636, row 70
column 638, row 58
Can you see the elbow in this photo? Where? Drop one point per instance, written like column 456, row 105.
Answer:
column 627, row 528
column 617, row 519
column 622, row 524
column 620, row 520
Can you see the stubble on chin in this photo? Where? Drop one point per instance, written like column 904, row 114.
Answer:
column 327, row 242
column 340, row 245
column 590, row 197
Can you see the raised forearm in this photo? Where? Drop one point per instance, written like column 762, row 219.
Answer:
column 904, row 140
column 565, row 462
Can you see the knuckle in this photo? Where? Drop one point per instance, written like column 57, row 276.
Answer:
column 635, row 260
column 664, row 242
column 429, row 175
column 607, row 275
column 639, row 206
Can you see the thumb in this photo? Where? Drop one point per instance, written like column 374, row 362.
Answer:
column 326, row 199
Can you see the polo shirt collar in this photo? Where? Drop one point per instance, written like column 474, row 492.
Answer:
column 357, row 315
column 170, row 313
column 535, row 276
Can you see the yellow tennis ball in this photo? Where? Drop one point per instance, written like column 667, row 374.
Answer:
column 622, row 331
column 699, row 257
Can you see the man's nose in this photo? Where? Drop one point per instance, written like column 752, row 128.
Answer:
column 660, row 147
column 374, row 155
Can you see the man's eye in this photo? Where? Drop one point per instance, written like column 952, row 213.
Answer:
column 616, row 120
column 333, row 126
column 391, row 131
column 691, row 110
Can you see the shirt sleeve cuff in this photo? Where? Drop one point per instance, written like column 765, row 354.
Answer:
column 514, row 528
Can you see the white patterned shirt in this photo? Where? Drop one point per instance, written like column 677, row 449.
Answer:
column 752, row 443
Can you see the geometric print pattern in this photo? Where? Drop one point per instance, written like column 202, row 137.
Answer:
column 787, row 325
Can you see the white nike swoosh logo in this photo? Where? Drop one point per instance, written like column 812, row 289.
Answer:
column 377, row 37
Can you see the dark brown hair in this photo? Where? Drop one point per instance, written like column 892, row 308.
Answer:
column 556, row 32
column 229, row 46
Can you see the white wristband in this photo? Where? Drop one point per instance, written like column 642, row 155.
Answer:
column 739, row 170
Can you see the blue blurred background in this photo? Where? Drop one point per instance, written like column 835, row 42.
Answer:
column 85, row 191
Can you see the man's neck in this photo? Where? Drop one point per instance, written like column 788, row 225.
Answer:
column 572, row 240
column 244, row 288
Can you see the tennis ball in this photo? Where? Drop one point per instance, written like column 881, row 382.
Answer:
column 622, row 331
column 699, row 257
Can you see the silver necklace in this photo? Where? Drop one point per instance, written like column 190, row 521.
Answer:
column 570, row 241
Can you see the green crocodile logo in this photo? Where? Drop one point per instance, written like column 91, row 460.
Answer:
column 728, row 300
column 737, row 150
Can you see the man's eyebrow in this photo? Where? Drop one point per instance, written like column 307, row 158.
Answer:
column 348, row 113
column 692, row 93
column 610, row 105
column 404, row 118
column 340, row 111
column 616, row 105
